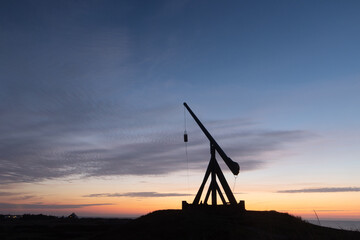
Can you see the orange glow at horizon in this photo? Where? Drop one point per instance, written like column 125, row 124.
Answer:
column 343, row 205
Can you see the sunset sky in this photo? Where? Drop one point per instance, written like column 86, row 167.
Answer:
column 91, row 114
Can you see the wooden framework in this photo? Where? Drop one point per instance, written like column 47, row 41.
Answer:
column 214, row 170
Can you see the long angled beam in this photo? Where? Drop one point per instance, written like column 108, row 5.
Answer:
column 233, row 166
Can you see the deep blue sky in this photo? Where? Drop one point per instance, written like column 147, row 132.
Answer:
column 95, row 88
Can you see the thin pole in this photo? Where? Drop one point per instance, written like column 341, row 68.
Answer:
column 317, row 217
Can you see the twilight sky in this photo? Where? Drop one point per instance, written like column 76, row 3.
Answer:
column 91, row 93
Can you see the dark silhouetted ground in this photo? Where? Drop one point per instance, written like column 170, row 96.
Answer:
column 174, row 224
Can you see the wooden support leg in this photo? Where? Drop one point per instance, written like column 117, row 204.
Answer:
column 220, row 194
column 198, row 195
column 224, row 184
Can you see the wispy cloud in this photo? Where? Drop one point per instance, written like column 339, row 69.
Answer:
column 8, row 194
column 47, row 206
column 25, row 197
column 322, row 190
column 332, row 210
column 53, row 149
column 137, row 194
column 18, row 195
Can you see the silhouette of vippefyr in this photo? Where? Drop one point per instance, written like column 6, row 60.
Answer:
column 214, row 170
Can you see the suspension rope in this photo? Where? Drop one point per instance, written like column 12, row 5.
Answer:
column 186, row 152
column 184, row 118
column 235, row 177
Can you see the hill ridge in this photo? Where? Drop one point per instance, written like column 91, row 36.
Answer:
column 178, row 224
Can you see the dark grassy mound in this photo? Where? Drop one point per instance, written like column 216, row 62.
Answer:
column 55, row 228
column 174, row 224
